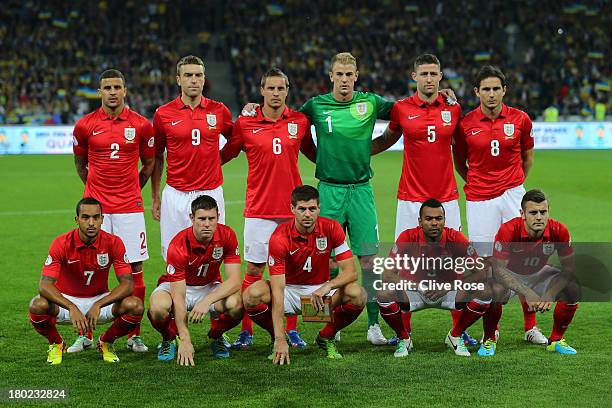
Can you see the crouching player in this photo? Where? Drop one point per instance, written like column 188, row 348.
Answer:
column 522, row 248
column 429, row 284
column 74, row 285
column 193, row 283
column 298, row 260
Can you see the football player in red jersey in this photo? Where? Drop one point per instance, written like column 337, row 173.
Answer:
column 192, row 283
column 427, row 121
column 272, row 140
column 299, row 254
column 429, row 242
column 187, row 129
column 107, row 145
column 74, row 285
column 522, row 248
column 493, row 153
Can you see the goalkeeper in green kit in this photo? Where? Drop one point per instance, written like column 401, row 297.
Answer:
column 344, row 121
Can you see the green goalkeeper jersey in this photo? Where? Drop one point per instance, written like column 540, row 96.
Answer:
column 344, row 135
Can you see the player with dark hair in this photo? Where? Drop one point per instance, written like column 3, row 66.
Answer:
column 188, row 130
column 192, row 283
column 299, row 254
column 522, row 248
column 107, row 145
column 493, row 153
column 427, row 121
column 271, row 140
column 74, row 286
column 431, row 240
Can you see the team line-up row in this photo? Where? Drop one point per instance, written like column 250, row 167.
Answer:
column 492, row 148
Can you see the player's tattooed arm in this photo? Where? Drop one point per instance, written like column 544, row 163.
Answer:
column 49, row 291
column 148, row 164
column 385, row 141
column 80, row 162
column 503, row 276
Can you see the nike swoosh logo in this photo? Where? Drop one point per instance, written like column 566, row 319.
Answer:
column 475, row 132
column 413, row 117
column 327, row 112
column 192, row 262
column 293, row 252
column 257, row 130
column 71, row 261
column 176, row 123
column 96, row 133
column 451, row 342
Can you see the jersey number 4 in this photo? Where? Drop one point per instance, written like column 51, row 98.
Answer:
column 308, row 265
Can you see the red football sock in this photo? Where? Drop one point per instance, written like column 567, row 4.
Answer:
column 392, row 314
column 223, row 323
column 291, row 322
column 456, row 315
column 121, row 326
column 167, row 327
column 139, row 292
column 407, row 320
column 344, row 315
column 490, row 320
column 44, row 324
column 472, row 311
column 562, row 317
column 528, row 316
column 262, row 315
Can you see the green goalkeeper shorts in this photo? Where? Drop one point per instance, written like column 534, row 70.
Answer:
column 352, row 205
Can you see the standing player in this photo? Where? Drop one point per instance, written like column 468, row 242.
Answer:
column 74, row 285
column 300, row 251
column 188, row 130
column 271, row 139
column 432, row 241
column 193, row 283
column 107, row 145
column 344, row 120
column 427, row 122
column 522, row 248
column 493, row 153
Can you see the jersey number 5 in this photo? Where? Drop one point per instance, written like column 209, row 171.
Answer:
column 431, row 133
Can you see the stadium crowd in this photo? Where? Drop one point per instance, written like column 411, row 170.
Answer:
column 52, row 51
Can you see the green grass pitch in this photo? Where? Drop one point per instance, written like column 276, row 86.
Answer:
column 37, row 195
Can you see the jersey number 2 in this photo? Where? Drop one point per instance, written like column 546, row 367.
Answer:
column 114, row 150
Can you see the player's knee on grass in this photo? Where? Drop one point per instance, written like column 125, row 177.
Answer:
column 131, row 305
column 355, row 294
column 386, row 296
column 255, row 269
column 160, row 304
column 255, row 294
column 136, row 267
column 39, row 305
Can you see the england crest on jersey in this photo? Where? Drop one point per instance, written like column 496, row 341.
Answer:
column 130, row 134
column 446, row 116
column 321, row 243
column 102, row 260
column 362, row 108
column 292, row 128
column 509, row 129
column 211, row 119
column 217, row 253
column 548, row 248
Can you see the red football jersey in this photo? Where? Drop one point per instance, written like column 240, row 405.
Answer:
column 525, row 255
column 305, row 259
column 82, row 270
column 272, row 149
column 191, row 140
column 427, row 170
column 113, row 147
column 412, row 242
column 199, row 264
column 493, row 150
